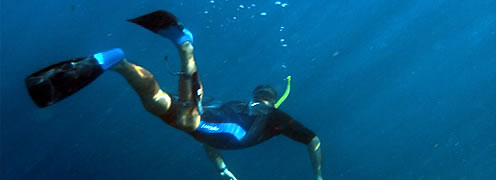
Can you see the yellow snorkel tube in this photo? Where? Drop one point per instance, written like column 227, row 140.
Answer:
column 286, row 93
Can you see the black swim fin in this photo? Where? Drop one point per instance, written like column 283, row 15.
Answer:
column 156, row 21
column 166, row 25
column 56, row 82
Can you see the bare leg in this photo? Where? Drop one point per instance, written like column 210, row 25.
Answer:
column 153, row 98
column 188, row 117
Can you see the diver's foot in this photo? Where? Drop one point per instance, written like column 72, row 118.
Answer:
column 165, row 24
column 110, row 58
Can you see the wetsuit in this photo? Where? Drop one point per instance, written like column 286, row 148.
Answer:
column 236, row 125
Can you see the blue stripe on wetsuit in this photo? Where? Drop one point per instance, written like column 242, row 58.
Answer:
column 228, row 128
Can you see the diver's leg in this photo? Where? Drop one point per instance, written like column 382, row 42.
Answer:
column 189, row 117
column 166, row 25
column 153, row 98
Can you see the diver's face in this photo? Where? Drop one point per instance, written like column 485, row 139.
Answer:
column 261, row 101
column 268, row 103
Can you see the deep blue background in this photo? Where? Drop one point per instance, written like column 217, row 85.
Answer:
column 394, row 89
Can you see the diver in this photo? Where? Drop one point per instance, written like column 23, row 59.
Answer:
column 231, row 125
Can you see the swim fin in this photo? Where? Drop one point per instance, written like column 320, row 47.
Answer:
column 165, row 24
column 58, row 81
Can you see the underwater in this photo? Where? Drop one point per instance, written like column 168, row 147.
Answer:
column 393, row 89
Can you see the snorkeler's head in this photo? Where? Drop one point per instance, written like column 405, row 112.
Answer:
column 265, row 93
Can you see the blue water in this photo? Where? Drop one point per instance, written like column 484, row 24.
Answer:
column 394, row 89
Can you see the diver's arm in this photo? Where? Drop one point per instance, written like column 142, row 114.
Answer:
column 316, row 157
column 296, row 131
column 215, row 156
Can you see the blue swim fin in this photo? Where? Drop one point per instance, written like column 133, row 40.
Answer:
column 165, row 24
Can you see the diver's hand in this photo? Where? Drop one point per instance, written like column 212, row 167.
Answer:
column 227, row 175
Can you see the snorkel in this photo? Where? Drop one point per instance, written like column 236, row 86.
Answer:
column 286, row 93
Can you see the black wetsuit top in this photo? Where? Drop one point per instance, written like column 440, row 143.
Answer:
column 236, row 125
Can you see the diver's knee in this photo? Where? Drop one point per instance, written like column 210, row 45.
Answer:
column 159, row 104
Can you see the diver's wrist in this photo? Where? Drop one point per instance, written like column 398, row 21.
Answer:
column 318, row 178
column 222, row 169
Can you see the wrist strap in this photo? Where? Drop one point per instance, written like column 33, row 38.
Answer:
column 221, row 170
